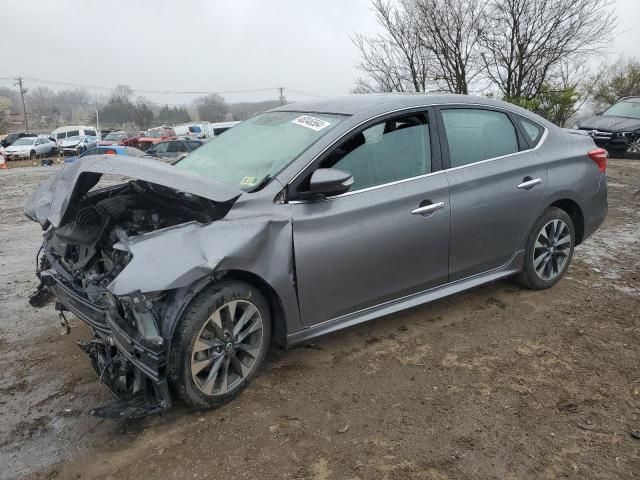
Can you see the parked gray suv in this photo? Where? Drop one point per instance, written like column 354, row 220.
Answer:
column 301, row 221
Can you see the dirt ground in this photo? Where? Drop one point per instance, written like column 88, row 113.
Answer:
column 498, row 382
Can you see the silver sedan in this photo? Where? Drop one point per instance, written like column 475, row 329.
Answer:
column 30, row 147
column 302, row 221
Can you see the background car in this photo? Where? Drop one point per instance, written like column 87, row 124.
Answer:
column 154, row 136
column 12, row 137
column 121, row 137
column 104, row 132
column 77, row 145
column 71, row 131
column 617, row 128
column 30, row 147
column 171, row 149
column 108, row 150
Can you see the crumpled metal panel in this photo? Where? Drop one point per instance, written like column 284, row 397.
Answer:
column 177, row 257
column 51, row 199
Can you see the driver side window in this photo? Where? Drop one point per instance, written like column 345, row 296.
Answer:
column 386, row 152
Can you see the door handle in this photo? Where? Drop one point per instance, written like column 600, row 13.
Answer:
column 432, row 207
column 530, row 183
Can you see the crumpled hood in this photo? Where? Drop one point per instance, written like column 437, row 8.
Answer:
column 50, row 200
column 70, row 143
column 610, row 123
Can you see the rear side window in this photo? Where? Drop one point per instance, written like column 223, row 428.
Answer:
column 90, row 132
column 389, row 151
column 532, row 131
column 474, row 135
column 218, row 131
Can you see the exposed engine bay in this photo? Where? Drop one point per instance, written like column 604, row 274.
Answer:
column 84, row 245
column 87, row 251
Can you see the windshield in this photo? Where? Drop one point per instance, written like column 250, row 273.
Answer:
column 258, row 148
column 24, row 141
column 114, row 136
column 154, row 133
column 626, row 108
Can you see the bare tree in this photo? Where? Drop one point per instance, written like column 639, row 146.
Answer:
column 450, row 31
column 396, row 60
column 211, row 108
column 614, row 81
column 525, row 40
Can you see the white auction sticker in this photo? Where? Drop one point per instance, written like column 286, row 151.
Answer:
column 311, row 122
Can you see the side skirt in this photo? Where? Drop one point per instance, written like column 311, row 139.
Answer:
column 393, row 306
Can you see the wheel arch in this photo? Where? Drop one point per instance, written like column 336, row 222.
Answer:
column 278, row 316
column 181, row 298
column 572, row 208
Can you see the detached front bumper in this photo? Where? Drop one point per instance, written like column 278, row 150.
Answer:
column 131, row 365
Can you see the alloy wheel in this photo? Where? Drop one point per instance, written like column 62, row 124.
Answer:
column 634, row 146
column 227, row 347
column 551, row 250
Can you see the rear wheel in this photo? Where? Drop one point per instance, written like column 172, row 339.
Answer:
column 549, row 250
column 220, row 344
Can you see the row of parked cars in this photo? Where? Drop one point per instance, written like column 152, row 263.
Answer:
column 76, row 141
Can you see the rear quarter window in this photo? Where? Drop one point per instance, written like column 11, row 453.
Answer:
column 532, row 131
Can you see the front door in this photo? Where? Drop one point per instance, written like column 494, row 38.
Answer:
column 387, row 237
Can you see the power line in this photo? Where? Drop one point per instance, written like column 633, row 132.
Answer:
column 169, row 92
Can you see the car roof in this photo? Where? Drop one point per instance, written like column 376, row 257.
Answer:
column 356, row 103
column 364, row 105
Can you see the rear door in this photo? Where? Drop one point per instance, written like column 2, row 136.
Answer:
column 497, row 182
column 375, row 243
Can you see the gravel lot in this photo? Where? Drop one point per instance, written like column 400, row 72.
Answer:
column 497, row 382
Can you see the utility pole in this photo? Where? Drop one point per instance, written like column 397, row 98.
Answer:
column 282, row 99
column 24, row 109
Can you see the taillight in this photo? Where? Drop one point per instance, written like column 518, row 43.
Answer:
column 110, row 152
column 600, row 156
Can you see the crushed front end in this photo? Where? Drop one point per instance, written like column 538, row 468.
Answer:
column 78, row 262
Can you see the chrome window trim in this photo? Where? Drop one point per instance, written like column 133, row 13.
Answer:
column 417, row 107
column 375, row 187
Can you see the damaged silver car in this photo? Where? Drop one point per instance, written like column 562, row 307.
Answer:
column 301, row 221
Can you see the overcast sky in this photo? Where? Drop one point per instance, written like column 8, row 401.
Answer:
column 204, row 45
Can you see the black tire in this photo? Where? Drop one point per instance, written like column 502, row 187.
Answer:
column 535, row 280
column 194, row 322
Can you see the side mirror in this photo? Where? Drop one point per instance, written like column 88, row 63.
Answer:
column 330, row 181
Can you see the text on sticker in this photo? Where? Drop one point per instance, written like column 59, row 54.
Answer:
column 310, row 122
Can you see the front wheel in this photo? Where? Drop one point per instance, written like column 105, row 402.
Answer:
column 220, row 344
column 549, row 250
column 633, row 149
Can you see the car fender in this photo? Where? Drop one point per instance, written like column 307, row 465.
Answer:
column 194, row 252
